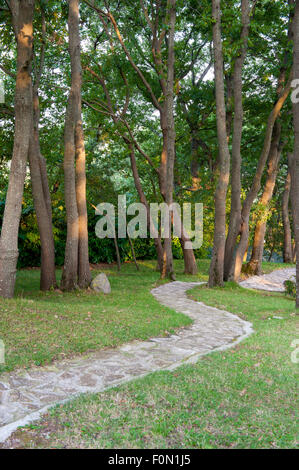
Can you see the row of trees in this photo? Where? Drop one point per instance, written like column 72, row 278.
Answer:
column 152, row 104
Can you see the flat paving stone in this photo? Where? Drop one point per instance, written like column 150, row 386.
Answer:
column 25, row 396
column 272, row 282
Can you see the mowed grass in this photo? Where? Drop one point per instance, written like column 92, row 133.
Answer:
column 38, row 327
column 245, row 397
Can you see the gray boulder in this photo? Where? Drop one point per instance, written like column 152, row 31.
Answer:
column 101, row 284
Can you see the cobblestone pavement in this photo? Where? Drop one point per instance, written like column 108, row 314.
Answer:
column 25, row 395
column 270, row 282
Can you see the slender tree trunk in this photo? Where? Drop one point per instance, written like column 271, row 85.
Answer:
column 190, row 265
column 45, row 183
column 234, row 263
column 295, row 172
column 256, row 185
column 39, row 181
column 23, row 27
column 143, row 200
column 287, row 239
column 167, row 268
column 294, row 251
column 217, row 262
column 133, row 252
column 41, row 197
column 235, row 213
column 70, row 269
column 255, row 264
column 84, row 274
column 291, row 161
column 76, row 271
column 117, row 254
column 194, row 167
column 271, row 253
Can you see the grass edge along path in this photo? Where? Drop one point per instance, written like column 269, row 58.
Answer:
column 244, row 397
column 38, row 328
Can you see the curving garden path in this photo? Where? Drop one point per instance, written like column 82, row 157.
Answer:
column 272, row 282
column 25, row 395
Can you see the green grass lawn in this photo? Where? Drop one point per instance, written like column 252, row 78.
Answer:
column 38, row 327
column 246, row 397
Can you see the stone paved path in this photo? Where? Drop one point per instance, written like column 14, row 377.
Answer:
column 25, row 395
column 270, row 282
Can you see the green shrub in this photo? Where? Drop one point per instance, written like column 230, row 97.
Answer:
column 290, row 288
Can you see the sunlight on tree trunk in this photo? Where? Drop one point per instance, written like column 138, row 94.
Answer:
column 23, row 26
column 76, row 271
column 255, row 264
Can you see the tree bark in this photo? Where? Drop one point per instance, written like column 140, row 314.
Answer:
column 287, row 239
column 41, row 195
column 235, row 267
column 133, row 252
column 256, row 185
column 295, row 169
column 84, row 274
column 235, row 212
column 22, row 17
column 217, row 262
column 255, row 264
column 76, row 271
column 168, row 169
column 69, row 279
column 39, row 182
column 194, row 166
column 190, row 265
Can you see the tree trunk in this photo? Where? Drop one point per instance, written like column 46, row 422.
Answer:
column 234, row 264
column 167, row 268
column 41, row 196
column 235, row 212
column 255, row 264
column 76, row 271
column 133, row 252
column 70, row 268
column 23, row 27
column 295, row 172
column 256, row 185
column 217, row 262
column 39, row 181
column 143, row 200
column 117, row 253
column 287, row 239
column 84, row 274
column 291, row 161
column 190, row 265
column 294, row 251
column 194, row 167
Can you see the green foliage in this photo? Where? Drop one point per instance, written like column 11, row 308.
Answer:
column 108, row 166
column 100, row 250
column 290, row 288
